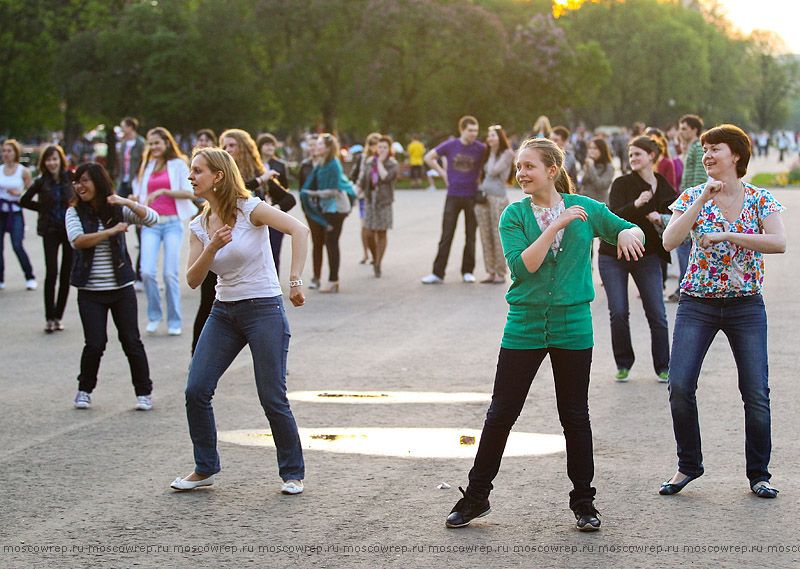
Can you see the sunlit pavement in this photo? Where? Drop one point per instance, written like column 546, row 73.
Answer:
column 101, row 477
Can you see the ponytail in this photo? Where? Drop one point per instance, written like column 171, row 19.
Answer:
column 563, row 182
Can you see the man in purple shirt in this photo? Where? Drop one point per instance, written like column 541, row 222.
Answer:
column 465, row 156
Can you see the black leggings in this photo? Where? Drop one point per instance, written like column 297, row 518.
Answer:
column 332, row 234
column 52, row 240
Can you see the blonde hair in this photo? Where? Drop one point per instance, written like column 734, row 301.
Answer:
column 551, row 155
column 542, row 125
column 249, row 161
column 15, row 146
column 229, row 190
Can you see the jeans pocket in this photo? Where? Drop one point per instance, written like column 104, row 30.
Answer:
column 266, row 303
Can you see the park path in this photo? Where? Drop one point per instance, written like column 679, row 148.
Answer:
column 97, row 482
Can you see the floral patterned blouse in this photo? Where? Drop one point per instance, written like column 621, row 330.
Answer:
column 726, row 270
column 547, row 215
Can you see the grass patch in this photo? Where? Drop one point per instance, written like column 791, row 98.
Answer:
column 765, row 179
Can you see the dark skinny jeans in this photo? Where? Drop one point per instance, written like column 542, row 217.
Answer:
column 94, row 306
column 516, row 370
column 453, row 205
column 52, row 240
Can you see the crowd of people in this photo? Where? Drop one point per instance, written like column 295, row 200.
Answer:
column 680, row 189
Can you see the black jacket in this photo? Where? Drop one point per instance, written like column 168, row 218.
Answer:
column 624, row 191
column 43, row 186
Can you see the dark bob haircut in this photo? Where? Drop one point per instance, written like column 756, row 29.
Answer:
column 737, row 141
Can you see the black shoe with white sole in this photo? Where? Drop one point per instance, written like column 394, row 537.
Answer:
column 466, row 510
column 586, row 514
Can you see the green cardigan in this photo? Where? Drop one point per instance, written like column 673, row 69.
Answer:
column 550, row 308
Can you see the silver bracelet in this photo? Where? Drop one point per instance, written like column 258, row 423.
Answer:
column 298, row 282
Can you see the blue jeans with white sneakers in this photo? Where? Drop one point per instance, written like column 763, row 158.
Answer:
column 170, row 234
column 261, row 324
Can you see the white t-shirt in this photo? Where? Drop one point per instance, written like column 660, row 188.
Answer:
column 244, row 267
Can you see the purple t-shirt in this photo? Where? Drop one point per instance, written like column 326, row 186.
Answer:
column 463, row 166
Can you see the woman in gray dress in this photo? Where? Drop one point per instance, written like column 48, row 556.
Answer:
column 377, row 182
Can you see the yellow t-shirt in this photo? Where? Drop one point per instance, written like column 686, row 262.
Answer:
column 416, row 150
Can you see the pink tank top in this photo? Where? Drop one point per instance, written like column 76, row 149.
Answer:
column 164, row 205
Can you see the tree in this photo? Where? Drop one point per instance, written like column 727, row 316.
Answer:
column 776, row 79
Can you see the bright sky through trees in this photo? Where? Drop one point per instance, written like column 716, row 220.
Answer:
column 780, row 16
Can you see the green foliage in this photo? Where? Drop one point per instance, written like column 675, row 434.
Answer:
column 400, row 66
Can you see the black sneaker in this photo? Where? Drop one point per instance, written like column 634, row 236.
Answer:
column 586, row 514
column 466, row 510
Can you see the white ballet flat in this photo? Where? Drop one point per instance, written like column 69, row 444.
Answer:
column 183, row 484
column 292, row 487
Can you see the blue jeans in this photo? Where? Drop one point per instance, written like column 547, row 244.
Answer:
column 516, row 370
column 646, row 273
column 13, row 223
column 171, row 235
column 744, row 321
column 261, row 324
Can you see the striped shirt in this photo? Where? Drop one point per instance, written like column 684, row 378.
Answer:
column 102, row 274
column 694, row 173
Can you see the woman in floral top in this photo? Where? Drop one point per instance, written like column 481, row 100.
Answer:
column 731, row 225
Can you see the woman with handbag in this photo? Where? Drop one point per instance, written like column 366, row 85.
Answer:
column 377, row 181
column 334, row 199
column 498, row 171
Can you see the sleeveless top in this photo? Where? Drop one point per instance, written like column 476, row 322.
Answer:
column 10, row 202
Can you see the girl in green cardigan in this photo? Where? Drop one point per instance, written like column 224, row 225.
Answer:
column 547, row 240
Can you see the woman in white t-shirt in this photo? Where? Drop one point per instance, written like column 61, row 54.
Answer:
column 231, row 238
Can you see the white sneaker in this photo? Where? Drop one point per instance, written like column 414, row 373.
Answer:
column 144, row 402
column 468, row 277
column 292, row 487
column 83, row 400
column 2, row 286
column 31, row 284
column 175, row 332
column 152, row 327
column 432, row 279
